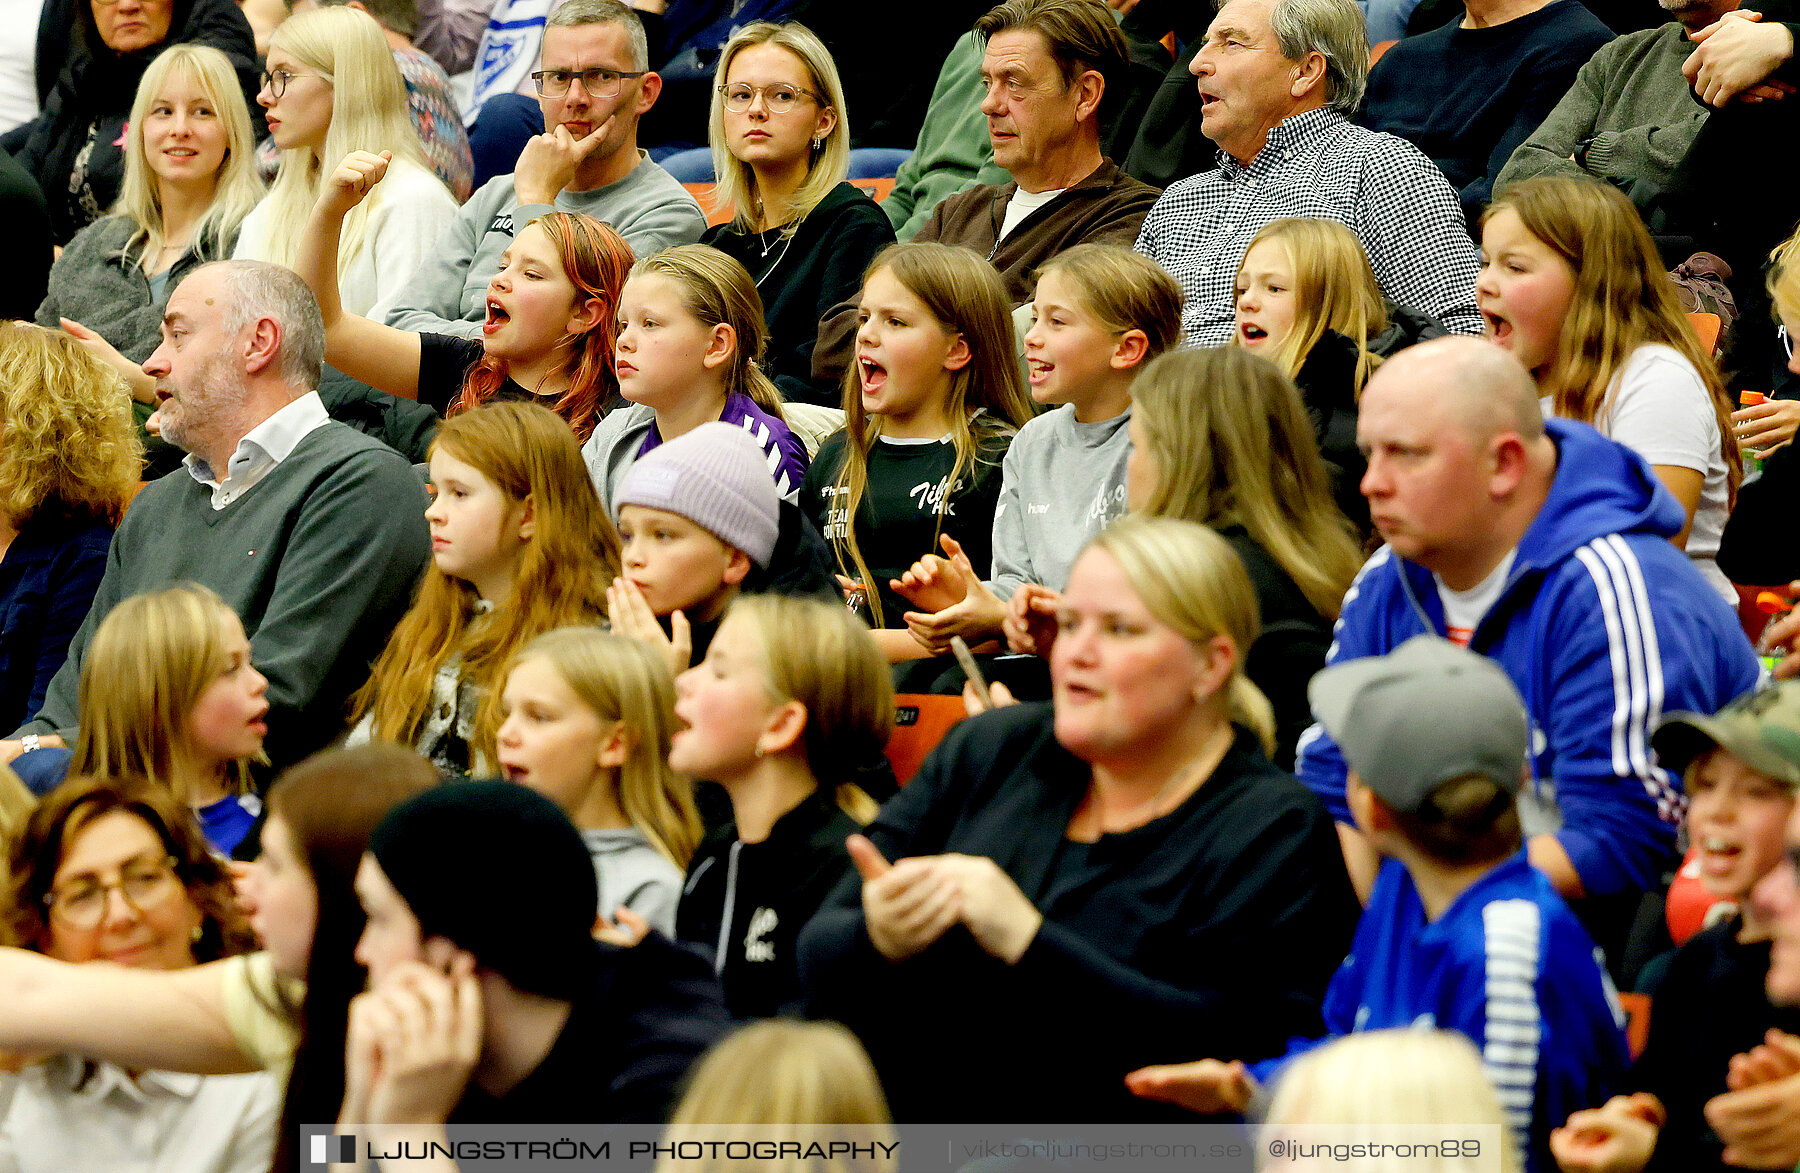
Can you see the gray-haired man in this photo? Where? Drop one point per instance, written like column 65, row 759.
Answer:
column 1278, row 79
column 312, row 532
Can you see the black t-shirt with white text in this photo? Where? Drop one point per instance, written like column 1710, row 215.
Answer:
column 897, row 522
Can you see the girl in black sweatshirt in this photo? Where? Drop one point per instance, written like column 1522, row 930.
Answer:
column 792, row 696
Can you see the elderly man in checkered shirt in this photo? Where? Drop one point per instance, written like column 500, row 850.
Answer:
column 1278, row 79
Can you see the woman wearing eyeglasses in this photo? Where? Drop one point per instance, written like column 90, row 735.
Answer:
column 114, row 870
column 331, row 88
column 781, row 148
column 75, row 148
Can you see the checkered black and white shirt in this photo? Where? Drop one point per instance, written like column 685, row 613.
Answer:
column 1318, row 165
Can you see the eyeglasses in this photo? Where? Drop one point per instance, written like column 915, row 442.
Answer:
column 146, row 884
column 276, row 81
column 778, row 99
column 599, row 83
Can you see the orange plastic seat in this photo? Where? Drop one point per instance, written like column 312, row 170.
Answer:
column 920, row 722
column 1708, row 326
column 1376, row 50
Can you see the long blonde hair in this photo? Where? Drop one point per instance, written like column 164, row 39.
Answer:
column 65, row 423
column 780, row 1081
column 987, row 400
column 828, row 163
column 822, row 656
column 238, row 186
column 1233, row 446
column 149, row 661
column 1623, row 298
column 1193, row 582
column 626, row 683
column 369, row 112
column 718, row 290
column 1394, row 1077
column 1334, row 289
column 528, row 452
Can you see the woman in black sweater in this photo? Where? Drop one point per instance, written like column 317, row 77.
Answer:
column 1080, row 887
column 781, row 148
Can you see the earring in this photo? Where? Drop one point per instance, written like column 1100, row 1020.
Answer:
column 818, row 141
column 759, row 751
column 199, row 931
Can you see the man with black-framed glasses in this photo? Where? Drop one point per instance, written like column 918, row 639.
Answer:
column 593, row 85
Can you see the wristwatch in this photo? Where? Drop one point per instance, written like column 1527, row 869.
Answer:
column 31, row 742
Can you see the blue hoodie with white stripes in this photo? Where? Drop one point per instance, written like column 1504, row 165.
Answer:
column 1508, row 965
column 1603, row 626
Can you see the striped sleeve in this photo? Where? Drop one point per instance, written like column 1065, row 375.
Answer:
column 1618, row 810
column 1512, row 1028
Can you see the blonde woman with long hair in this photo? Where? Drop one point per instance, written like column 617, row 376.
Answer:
column 1092, row 853
column 68, row 466
column 190, row 179
column 1220, row 437
column 586, row 718
column 331, row 87
column 786, row 1082
column 1573, row 286
column 781, row 149
column 168, row 693
column 792, row 700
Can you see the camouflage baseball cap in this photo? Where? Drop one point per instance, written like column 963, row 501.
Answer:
column 1760, row 729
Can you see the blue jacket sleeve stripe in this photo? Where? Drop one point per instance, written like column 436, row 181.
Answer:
column 1513, row 1026
column 1636, row 667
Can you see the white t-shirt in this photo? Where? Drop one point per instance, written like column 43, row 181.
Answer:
column 1659, row 407
column 1023, row 204
column 414, row 210
column 1464, row 610
column 18, row 65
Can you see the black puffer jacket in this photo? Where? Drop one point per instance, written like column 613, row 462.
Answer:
column 1327, row 382
column 92, row 100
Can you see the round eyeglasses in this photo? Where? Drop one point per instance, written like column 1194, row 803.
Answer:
column 145, row 884
column 778, row 99
column 598, row 83
column 276, row 81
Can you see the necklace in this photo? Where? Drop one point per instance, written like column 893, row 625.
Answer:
column 785, row 239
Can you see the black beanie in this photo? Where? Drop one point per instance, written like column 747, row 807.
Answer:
column 499, row 870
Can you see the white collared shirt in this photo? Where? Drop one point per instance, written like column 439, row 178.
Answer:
column 160, row 1122
column 262, row 448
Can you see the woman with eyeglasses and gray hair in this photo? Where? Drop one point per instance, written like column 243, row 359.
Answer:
column 781, row 149
column 115, row 870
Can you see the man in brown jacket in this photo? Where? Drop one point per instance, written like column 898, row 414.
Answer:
column 1047, row 69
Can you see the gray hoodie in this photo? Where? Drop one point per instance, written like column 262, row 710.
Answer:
column 448, row 294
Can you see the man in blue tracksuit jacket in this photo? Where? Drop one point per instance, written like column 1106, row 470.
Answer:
column 1548, row 551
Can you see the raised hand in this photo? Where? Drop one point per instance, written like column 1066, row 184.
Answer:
column 354, row 178
column 631, row 616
